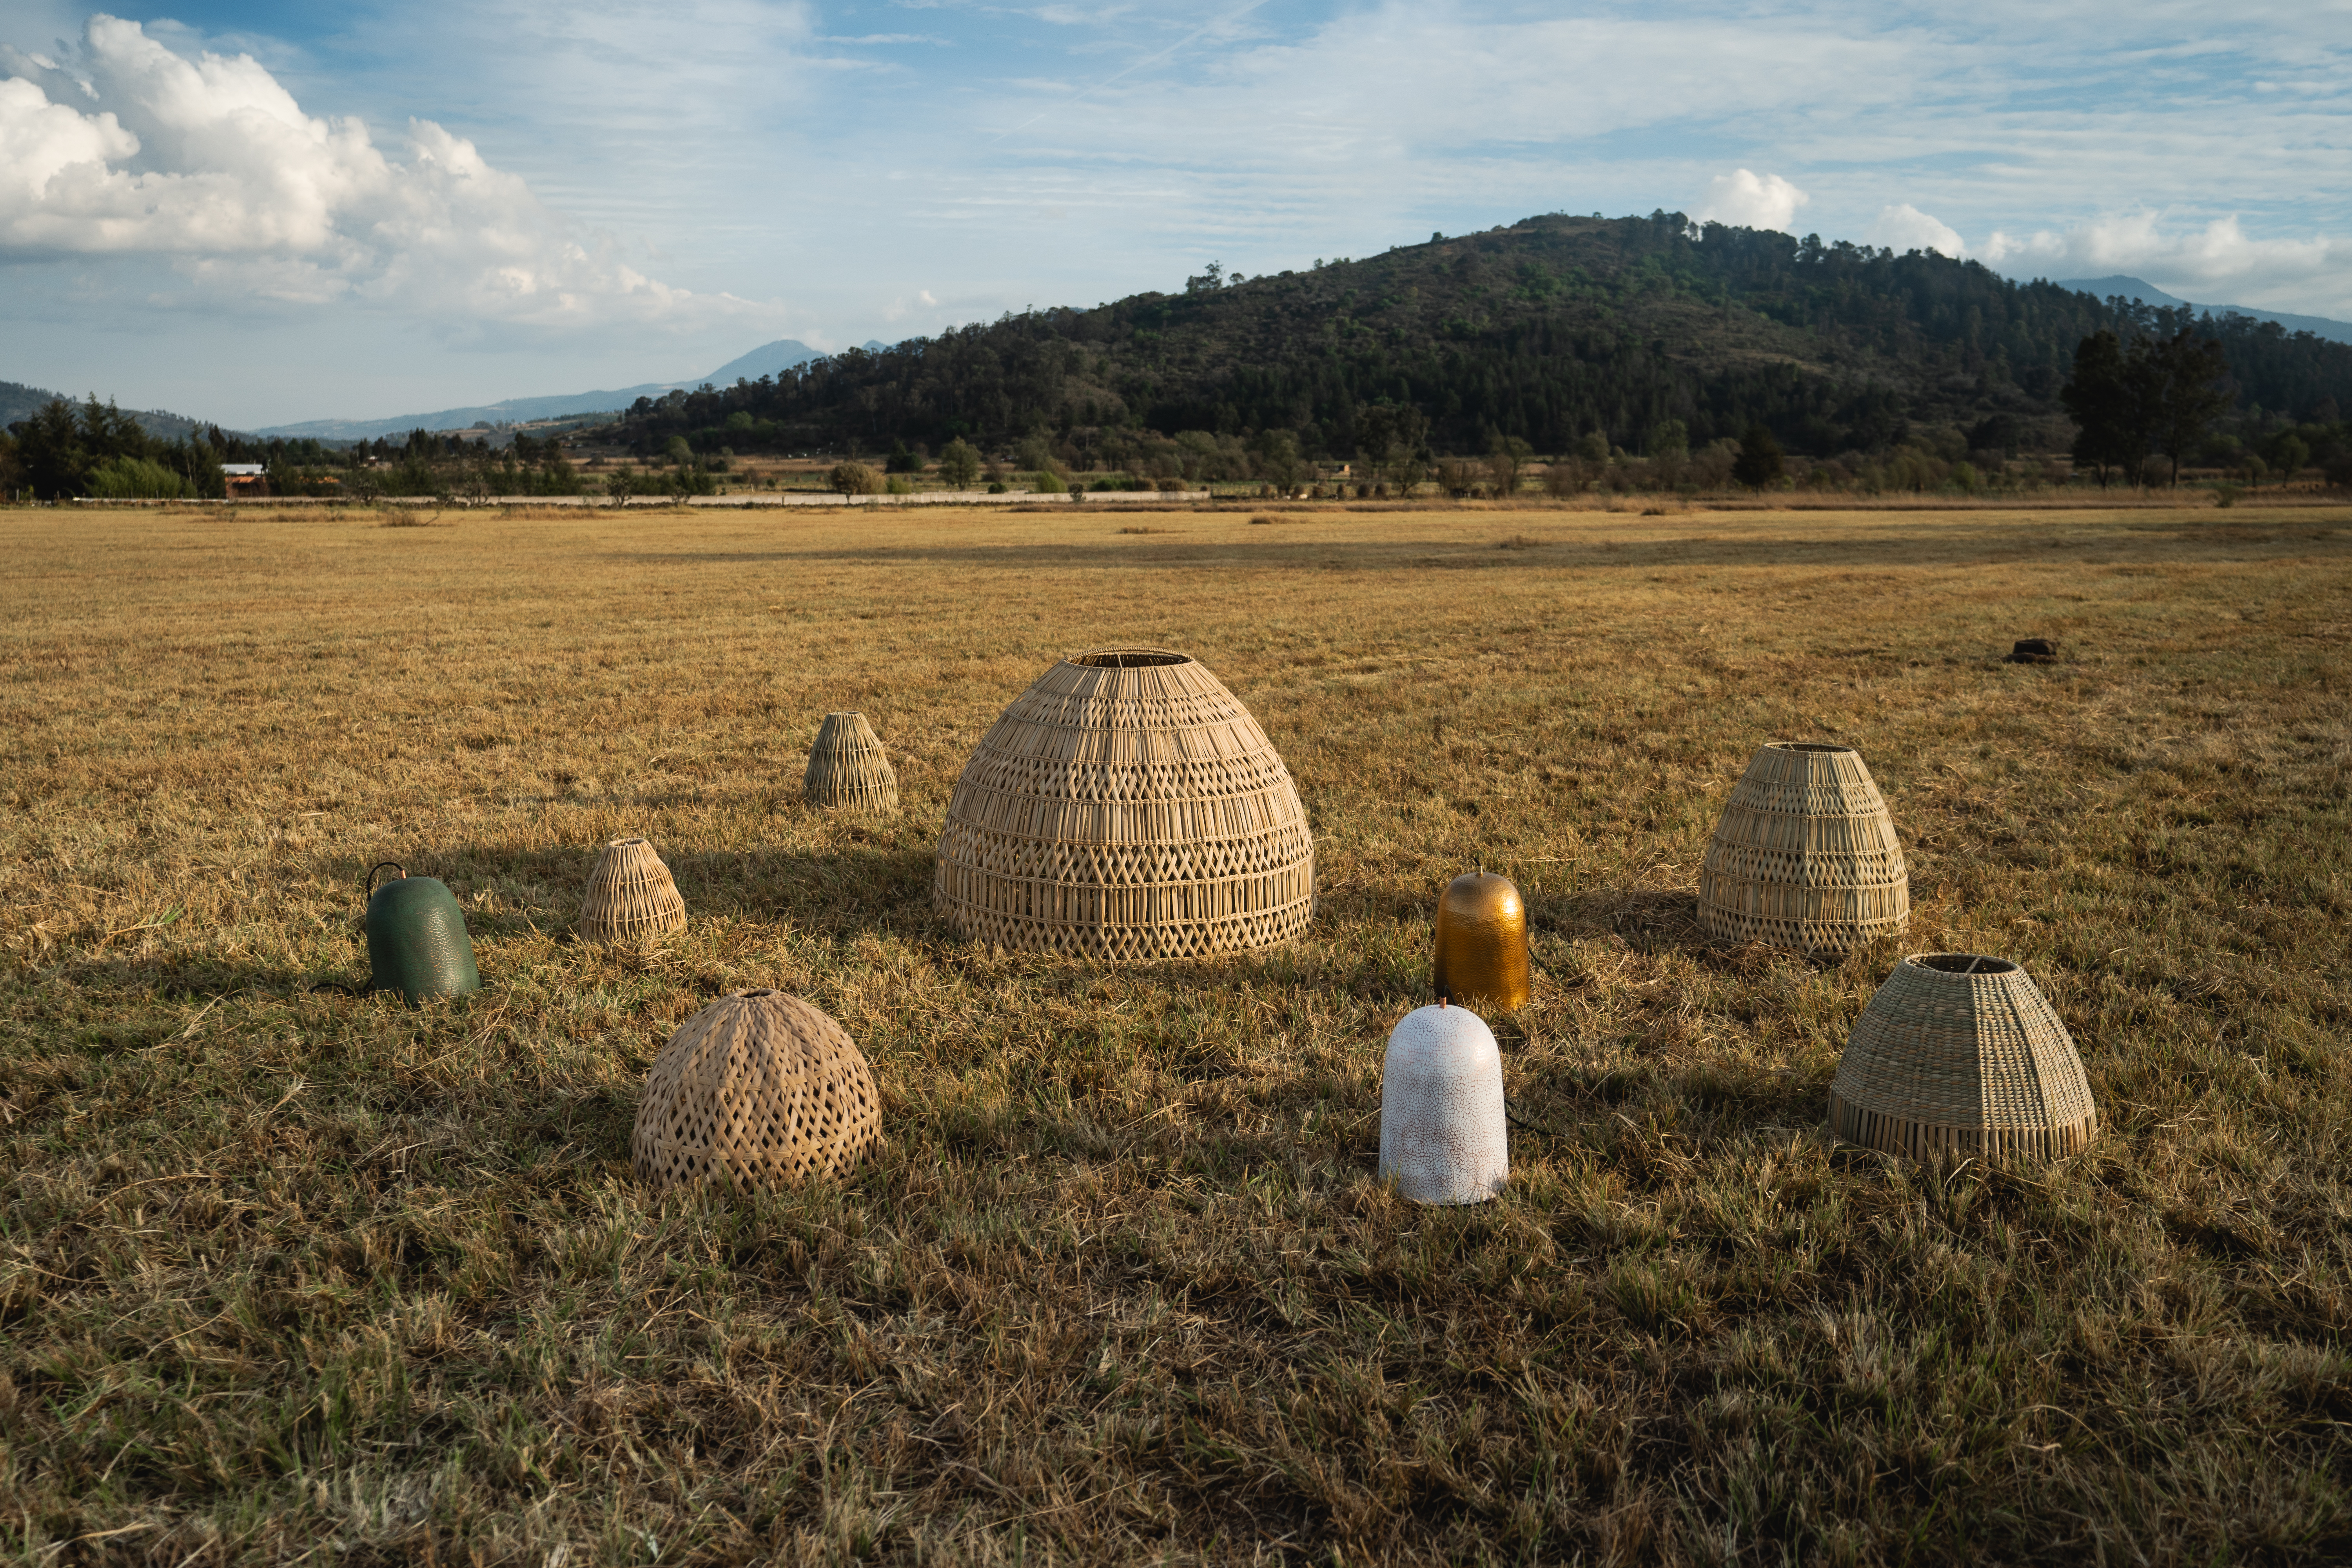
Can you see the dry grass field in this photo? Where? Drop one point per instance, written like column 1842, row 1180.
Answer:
column 293, row 1275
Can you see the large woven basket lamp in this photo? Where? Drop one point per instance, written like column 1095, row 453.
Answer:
column 630, row 897
column 758, row 1089
column 847, row 769
column 1127, row 806
column 1960, row 1054
column 1805, row 855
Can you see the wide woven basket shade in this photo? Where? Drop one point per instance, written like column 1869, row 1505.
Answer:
column 630, row 897
column 847, row 769
column 759, row 1090
column 1805, row 855
column 1126, row 806
column 1960, row 1054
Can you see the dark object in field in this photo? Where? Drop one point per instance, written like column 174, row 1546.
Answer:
column 417, row 942
column 758, row 1089
column 1127, row 806
column 630, row 896
column 1482, row 943
column 847, row 768
column 1805, row 856
column 1960, row 1053
column 2032, row 650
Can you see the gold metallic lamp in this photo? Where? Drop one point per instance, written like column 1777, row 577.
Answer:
column 1482, row 943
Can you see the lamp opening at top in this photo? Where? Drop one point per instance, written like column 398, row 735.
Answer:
column 1128, row 658
column 1964, row 964
column 1809, row 746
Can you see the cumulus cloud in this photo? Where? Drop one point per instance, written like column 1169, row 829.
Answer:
column 2218, row 263
column 128, row 148
column 1749, row 200
column 1904, row 227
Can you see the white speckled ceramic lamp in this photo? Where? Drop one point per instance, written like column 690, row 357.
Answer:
column 1443, row 1135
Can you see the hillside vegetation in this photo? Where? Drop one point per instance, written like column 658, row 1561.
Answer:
column 1546, row 333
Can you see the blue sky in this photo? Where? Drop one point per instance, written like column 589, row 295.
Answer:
column 265, row 213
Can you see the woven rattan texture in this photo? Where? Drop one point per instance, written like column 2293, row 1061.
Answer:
column 1946, row 1063
column 758, row 1089
column 1805, row 855
column 1127, row 812
column 847, row 769
column 630, row 895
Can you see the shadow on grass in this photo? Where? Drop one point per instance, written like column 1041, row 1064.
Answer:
column 837, row 889
column 1703, row 538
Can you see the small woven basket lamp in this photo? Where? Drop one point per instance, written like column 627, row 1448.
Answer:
column 630, row 896
column 1805, row 855
column 758, row 1089
column 1126, row 806
column 1958, row 1053
column 847, row 769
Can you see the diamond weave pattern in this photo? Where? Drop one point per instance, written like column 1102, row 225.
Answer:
column 758, row 1089
column 1127, row 812
column 1805, row 855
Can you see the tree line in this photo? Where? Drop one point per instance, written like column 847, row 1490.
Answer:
column 95, row 449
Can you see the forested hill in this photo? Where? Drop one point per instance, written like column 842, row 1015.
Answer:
column 1547, row 331
column 18, row 401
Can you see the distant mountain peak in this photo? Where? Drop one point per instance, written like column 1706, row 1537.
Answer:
column 2139, row 289
column 2117, row 283
column 768, row 359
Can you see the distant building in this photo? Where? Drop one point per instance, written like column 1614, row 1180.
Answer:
column 245, row 482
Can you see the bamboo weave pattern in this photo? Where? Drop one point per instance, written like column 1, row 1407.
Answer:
column 630, row 897
column 1126, row 806
column 759, row 1089
column 1805, row 855
column 847, row 769
column 1962, row 1054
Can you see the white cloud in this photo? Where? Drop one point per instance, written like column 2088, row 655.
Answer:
column 1904, row 227
column 1749, row 200
column 130, row 149
column 2218, row 263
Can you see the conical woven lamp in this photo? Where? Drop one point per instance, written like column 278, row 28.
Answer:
column 1805, row 855
column 759, row 1090
column 630, row 897
column 847, row 769
column 1126, row 806
column 1960, row 1053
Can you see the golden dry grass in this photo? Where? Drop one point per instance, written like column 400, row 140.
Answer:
column 296, row 1275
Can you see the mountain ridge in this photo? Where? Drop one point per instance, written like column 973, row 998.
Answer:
column 2140, row 289
column 18, row 401
column 1557, row 331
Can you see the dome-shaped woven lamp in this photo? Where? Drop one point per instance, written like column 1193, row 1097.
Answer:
column 1126, row 806
column 1805, row 855
column 1960, row 1053
column 760, row 1089
column 630, row 896
column 847, row 769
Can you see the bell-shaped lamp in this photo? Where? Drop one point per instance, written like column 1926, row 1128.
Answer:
column 1443, row 1136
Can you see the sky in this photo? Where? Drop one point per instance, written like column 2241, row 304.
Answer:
column 266, row 212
